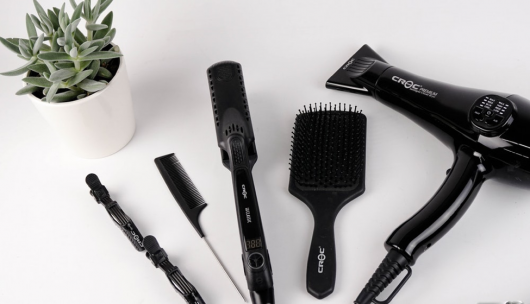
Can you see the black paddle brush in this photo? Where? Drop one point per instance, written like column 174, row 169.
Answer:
column 327, row 172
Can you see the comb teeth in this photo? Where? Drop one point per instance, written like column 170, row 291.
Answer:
column 328, row 147
column 182, row 182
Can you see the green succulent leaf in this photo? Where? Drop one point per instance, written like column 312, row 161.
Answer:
column 79, row 37
column 104, row 6
column 23, row 69
column 65, row 65
column 61, row 41
column 30, row 27
column 116, row 49
column 55, row 44
column 54, row 56
column 54, row 19
column 24, row 42
column 50, row 66
column 87, row 10
column 81, row 96
column 40, row 82
column 96, row 27
column 24, row 51
column 84, row 64
column 73, row 52
column 13, row 41
column 38, row 44
column 46, row 23
column 38, row 7
column 61, row 75
column 68, row 34
column 94, row 66
column 104, row 73
column 39, row 68
column 67, row 49
column 53, row 90
column 11, row 46
column 36, row 22
column 99, row 43
column 65, row 96
column 85, row 45
column 108, row 22
column 46, row 75
column 101, row 55
column 78, row 78
column 62, row 19
column 77, row 12
column 91, row 85
column 73, row 4
column 27, row 90
column 111, row 36
column 88, row 51
column 95, row 11
column 45, row 47
column 46, row 38
column 56, row 11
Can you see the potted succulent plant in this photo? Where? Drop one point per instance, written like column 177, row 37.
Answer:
column 77, row 81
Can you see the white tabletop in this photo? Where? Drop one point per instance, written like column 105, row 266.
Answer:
column 59, row 246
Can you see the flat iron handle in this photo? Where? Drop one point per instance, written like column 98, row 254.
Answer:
column 444, row 209
column 256, row 261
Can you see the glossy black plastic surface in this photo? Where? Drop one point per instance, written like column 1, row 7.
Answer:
column 322, row 261
column 444, row 209
column 182, row 189
column 236, row 140
column 327, row 172
column 159, row 258
column 155, row 253
column 487, row 131
column 122, row 220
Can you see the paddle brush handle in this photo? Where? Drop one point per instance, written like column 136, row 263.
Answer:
column 322, row 261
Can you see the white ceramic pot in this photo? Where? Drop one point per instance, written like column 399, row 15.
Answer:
column 98, row 125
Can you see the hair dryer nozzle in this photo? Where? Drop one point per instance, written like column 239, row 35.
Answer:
column 343, row 82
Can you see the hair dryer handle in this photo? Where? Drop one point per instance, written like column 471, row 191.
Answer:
column 444, row 209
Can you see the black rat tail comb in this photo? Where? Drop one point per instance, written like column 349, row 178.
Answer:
column 327, row 172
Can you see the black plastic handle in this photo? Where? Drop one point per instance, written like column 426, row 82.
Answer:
column 127, row 226
column 235, row 138
column 256, row 262
column 322, row 261
column 444, row 209
column 428, row 225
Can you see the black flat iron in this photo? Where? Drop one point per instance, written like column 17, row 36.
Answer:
column 235, row 137
column 488, row 132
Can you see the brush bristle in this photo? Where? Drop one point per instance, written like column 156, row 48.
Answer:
column 328, row 148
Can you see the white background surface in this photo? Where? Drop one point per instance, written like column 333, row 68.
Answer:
column 59, row 246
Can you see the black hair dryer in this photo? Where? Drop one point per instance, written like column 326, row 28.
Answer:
column 489, row 133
